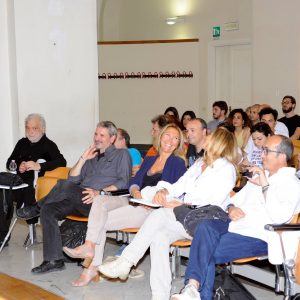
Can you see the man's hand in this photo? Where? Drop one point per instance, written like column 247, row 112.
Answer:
column 32, row 166
column 235, row 213
column 261, row 179
column 160, row 197
column 22, row 167
column 90, row 152
column 89, row 195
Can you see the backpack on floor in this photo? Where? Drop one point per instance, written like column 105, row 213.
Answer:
column 228, row 287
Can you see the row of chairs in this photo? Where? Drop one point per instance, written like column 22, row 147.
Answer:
column 281, row 281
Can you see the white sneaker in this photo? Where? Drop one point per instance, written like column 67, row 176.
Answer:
column 116, row 268
column 188, row 293
column 136, row 274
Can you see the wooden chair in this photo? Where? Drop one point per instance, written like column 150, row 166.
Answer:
column 295, row 161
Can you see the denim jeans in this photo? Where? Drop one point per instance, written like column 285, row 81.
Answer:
column 63, row 200
column 213, row 244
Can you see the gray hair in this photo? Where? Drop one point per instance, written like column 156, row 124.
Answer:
column 110, row 126
column 286, row 147
column 38, row 117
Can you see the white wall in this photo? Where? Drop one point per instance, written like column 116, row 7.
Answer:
column 56, row 59
column 8, row 84
column 276, row 51
column 132, row 103
column 145, row 20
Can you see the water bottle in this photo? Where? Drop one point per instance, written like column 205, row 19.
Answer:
column 13, row 167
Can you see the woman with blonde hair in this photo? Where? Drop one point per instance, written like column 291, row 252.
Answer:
column 113, row 213
column 208, row 181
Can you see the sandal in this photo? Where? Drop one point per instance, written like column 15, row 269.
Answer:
column 88, row 275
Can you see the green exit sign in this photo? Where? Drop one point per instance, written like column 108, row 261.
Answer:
column 216, row 32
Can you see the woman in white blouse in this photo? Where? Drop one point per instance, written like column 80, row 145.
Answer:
column 208, row 181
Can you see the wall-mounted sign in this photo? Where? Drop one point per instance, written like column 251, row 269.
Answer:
column 216, row 32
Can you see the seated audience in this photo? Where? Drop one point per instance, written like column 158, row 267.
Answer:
column 101, row 167
column 254, row 114
column 259, row 133
column 172, row 111
column 196, row 187
column 240, row 121
column 248, row 111
column 123, row 142
column 262, row 201
column 186, row 117
column 220, row 109
column 27, row 151
column 196, row 130
column 114, row 213
column 269, row 116
column 291, row 119
column 158, row 123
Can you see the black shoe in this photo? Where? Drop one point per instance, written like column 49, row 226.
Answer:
column 49, row 266
column 28, row 212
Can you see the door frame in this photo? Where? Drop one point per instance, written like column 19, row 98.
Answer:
column 212, row 67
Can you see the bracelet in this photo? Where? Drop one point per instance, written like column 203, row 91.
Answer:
column 82, row 158
column 265, row 188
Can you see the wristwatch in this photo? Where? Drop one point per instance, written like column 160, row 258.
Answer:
column 229, row 206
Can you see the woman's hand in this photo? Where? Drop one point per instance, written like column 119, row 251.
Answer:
column 172, row 203
column 160, row 197
column 90, row 194
column 136, row 194
column 261, row 179
column 235, row 213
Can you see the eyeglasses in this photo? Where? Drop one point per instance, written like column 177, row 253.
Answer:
column 266, row 150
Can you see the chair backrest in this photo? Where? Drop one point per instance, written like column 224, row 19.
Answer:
column 45, row 183
column 60, row 173
column 296, row 144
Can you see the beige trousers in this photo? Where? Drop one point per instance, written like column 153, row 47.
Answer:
column 110, row 213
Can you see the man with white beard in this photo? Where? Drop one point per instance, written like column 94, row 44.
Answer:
column 27, row 151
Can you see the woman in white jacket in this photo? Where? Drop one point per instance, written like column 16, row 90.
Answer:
column 208, row 181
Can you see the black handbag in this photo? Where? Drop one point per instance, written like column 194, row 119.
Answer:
column 10, row 179
column 73, row 233
column 190, row 216
column 228, row 287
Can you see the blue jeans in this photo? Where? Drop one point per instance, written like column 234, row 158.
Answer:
column 213, row 244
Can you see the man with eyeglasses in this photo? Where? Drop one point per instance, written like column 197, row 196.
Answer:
column 271, row 196
column 291, row 119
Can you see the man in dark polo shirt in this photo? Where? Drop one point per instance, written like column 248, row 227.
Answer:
column 101, row 167
column 196, row 134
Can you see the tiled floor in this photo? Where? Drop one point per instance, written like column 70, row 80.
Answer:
column 17, row 261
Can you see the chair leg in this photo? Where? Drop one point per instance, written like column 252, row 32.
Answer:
column 31, row 237
column 175, row 263
column 288, row 282
column 8, row 234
